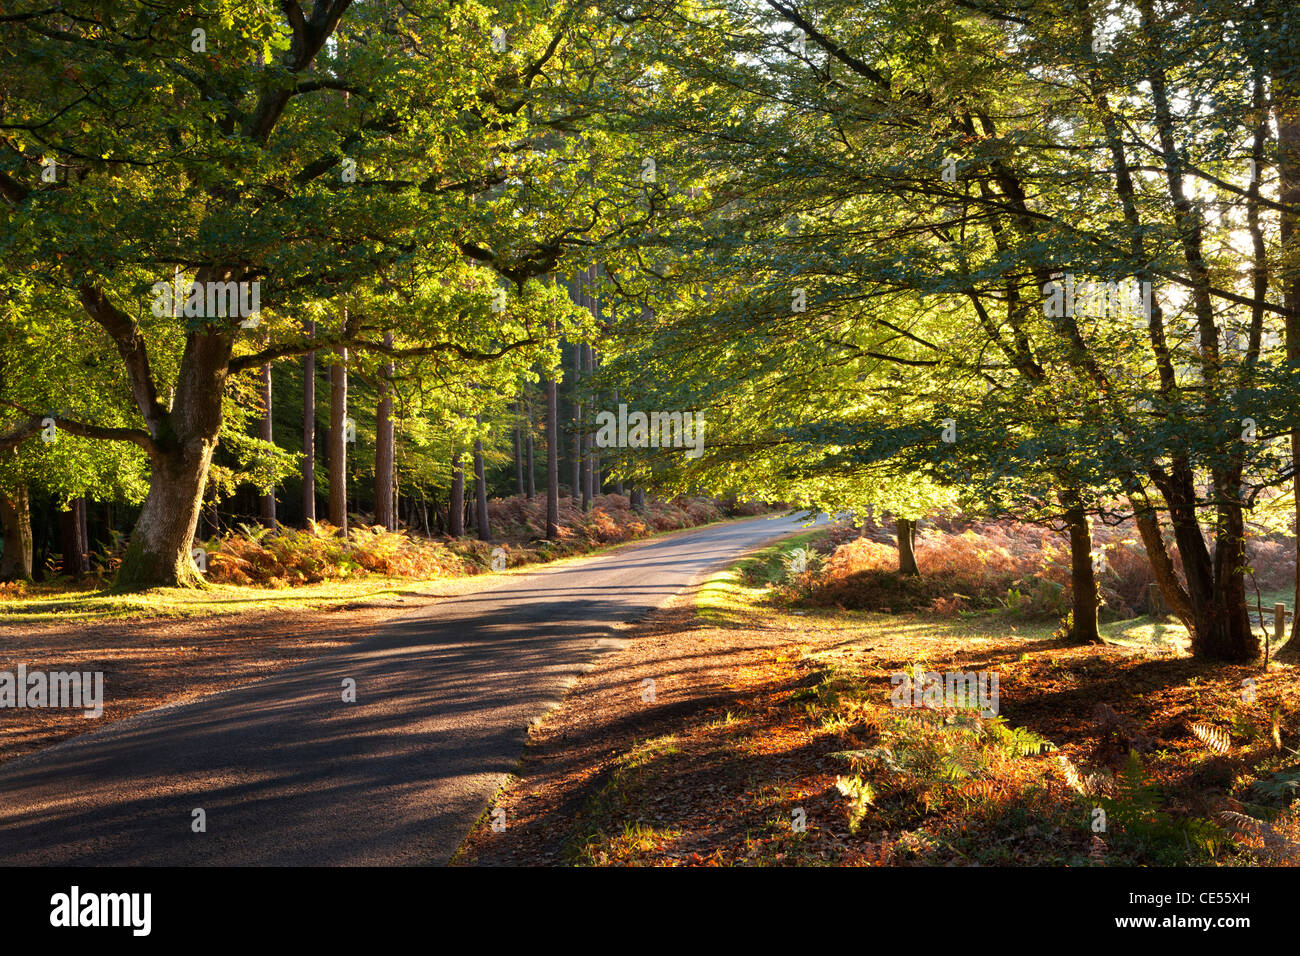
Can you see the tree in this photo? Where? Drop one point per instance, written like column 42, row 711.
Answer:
column 456, row 505
column 309, row 431
column 385, row 447
column 481, row 524
column 267, row 501
column 72, row 532
column 338, row 441
column 306, row 157
column 16, row 525
column 552, row 458
column 875, row 181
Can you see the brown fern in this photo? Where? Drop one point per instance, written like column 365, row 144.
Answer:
column 1085, row 784
column 1216, row 738
column 1072, row 775
column 1260, row 838
column 979, row 789
column 1097, row 853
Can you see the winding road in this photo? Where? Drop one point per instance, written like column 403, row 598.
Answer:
column 287, row 773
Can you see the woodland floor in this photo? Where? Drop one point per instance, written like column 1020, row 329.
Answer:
column 755, row 704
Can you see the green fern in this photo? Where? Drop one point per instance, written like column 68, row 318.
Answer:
column 1136, row 806
column 1282, row 787
column 860, row 797
column 1017, row 741
column 254, row 532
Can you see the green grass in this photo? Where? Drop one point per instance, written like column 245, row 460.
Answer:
column 1146, row 631
column 729, row 589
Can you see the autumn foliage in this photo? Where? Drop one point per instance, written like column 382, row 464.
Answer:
column 287, row 556
column 1007, row 564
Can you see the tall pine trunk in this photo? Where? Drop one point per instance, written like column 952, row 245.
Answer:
column 481, row 524
column 456, row 506
column 266, row 502
column 575, row 490
column 589, row 481
column 519, row 449
column 618, row 484
column 338, row 445
column 385, row 450
column 309, row 433
column 531, row 473
column 76, row 548
column 552, row 462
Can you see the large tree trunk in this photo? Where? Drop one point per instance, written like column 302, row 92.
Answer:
column 1231, row 638
column 385, row 451
column 184, row 438
column 907, row 547
column 309, row 433
column 16, row 527
column 456, row 507
column 1216, row 585
column 1171, row 589
column 338, row 445
column 76, row 547
column 481, row 524
column 266, row 503
column 1083, row 581
column 637, row 500
column 158, row 554
column 552, row 462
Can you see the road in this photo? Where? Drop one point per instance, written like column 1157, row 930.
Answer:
column 288, row 774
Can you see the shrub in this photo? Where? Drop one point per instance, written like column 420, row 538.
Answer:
column 1022, row 567
column 286, row 556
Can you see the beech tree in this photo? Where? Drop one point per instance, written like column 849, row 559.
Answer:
column 914, row 190
column 309, row 156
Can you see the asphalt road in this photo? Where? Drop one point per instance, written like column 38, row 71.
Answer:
column 289, row 774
